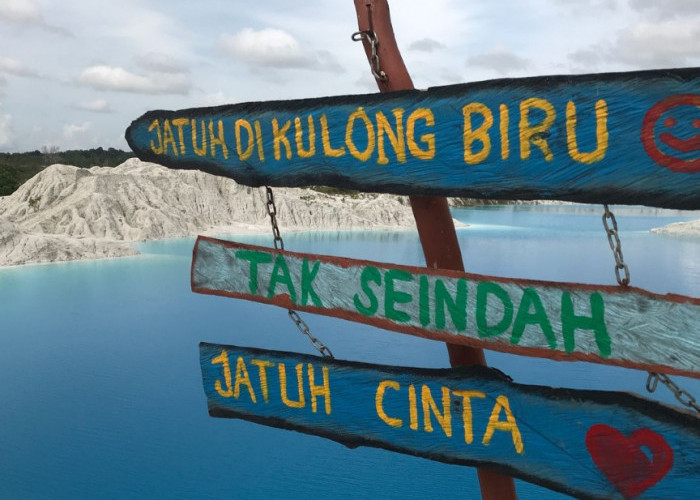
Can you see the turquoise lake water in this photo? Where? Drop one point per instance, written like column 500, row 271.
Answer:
column 100, row 385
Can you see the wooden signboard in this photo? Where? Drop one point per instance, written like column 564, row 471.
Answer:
column 588, row 444
column 627, row 138
column 564, row 321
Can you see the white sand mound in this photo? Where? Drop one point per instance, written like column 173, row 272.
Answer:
column 66, row 213
column 690, row 228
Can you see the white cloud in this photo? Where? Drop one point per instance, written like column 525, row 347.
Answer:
column 500, row 61
column 103, row 77
column 274, row 48
column 20, row 11
column 667, row 9
column 14, row 67
column 73, row 134
column 6, row 135
column 663, row 44
column 161, row 63
column 426, row 45
column 215, row 99
column 96, row 106
column 27, row 12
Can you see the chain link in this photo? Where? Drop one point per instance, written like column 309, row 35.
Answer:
column 616, row 247
column 371, row 37
column 683, row 396
column 272, row 212
column 279, row 245
column 304, row 328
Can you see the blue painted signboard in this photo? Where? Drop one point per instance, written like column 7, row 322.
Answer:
column 588, row 444
column 622, row 326
column 627, row 138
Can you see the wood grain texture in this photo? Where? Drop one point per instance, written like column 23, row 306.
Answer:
column 563, row 321
column 626, row 138
column 588, row 444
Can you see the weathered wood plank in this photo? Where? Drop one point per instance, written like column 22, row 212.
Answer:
column 589, row 444
column 627, row 138
column 564, row 321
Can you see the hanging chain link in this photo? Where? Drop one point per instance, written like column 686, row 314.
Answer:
column 371, row 37
column 683, row 396
column 279, row 245
column 616, row 247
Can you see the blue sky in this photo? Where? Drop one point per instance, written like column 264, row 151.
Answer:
column 75, row 73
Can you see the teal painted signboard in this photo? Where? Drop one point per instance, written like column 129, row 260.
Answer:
column 588, row 444
column 627, row 138
column 604, row 324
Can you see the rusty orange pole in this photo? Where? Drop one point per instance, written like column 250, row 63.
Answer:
column 433, row 219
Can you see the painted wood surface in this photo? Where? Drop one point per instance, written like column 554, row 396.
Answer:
column 563, row 321
column 627, row 138
column 589, row 444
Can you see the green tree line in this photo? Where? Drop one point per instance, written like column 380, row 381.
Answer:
column 16, row 168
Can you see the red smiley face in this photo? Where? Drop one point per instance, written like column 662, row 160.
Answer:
column 677, row 121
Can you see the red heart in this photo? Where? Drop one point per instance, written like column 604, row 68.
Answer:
column 622, row 460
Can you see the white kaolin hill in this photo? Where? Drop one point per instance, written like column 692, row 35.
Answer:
column 68, row 213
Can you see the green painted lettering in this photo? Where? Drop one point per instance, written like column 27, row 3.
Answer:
column 280, row 274
column 537, row 317
column 596, row 322
column 456, row 306
column 307, row 287
column 393, row 296
column 254, row 257
column 483, row 290
column 424, row 301
column 369, row 274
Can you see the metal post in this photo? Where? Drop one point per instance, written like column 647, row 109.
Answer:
column 433, row 220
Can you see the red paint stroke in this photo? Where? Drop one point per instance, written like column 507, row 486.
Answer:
column 622, row 460
column 681, row 145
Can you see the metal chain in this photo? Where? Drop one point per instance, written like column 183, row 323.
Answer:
column 371, row 37
column 272, row 212
column 279, row 245
column 616, row 247
column 683, row 396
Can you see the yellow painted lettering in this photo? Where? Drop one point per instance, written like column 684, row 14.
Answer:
column 168, row 138
column 217, row 140
column 262, row 375
column 299, row 137
column 428, row 140
column 199, row 150
column 503, row 124
column 320, row 390
column 240, row 125
column 395, row 138
column 300, row 386
column 279, row 137
column 242, row 378
column 412, row 408
column 179, row 123
column 467, row 417
column 444, row 419
column 222, row 359
column 328, row 150
column 535, row 134
column 601, row 133
column 155, row 124
column 480, row 135
column 379, row 402
column 258, row 140
column 510, row 425
column 360, row 114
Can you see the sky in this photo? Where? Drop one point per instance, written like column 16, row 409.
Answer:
column 75, row 73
